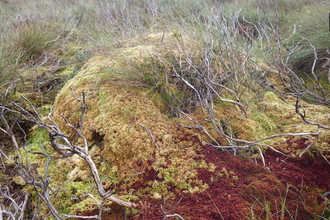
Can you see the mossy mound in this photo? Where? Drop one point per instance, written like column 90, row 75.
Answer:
column 146, row 156
column 127, row 131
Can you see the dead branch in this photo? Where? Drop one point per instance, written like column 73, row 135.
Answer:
column 303, row 115
column 82, row 217
column 151, row 136
column 199, row 126
column 308, row 147
column 62, row 145
column 8, row 131
column 84, row 106
column 15, row 206
column 245, row 142
column 171, row 215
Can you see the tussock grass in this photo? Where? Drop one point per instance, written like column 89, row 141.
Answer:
column 312, row 30
column 32, row 41
column 234, row 37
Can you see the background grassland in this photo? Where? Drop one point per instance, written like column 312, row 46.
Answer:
column 102, row 23
column 38, row 33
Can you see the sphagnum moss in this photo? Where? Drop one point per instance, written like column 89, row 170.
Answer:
column 134, row 134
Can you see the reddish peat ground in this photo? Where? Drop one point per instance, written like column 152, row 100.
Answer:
column 287, row 188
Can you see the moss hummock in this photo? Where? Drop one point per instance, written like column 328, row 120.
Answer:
column 147, row 157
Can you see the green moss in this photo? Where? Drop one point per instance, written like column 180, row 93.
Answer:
column 225, row 172
column 87, row 204
column 38, row 136
column 270, row 96
column 267, row 124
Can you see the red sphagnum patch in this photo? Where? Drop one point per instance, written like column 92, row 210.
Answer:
column 242, row 189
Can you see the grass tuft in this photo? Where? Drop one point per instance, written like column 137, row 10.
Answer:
column 32, row 41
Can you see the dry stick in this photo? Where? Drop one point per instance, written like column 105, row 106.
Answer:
column 192, row 87
column 7, row 213
column 17, row 209
column 307, row 148
column 323, row 156
column 303, row 115
column 9, row 197
column 55, row 133
column 256, row 142
column 84, row 107
column 224, row 87
column 250, row 143
column 26, row 197
column 45, row 197
column 314, row 61
column 313, row 68
column 213, row 90
column 262, row 157
column 5, row 155
column 30, row 178
column 83, row 217
column 9, row 132
column 287, row 134
column 215, row 205
column 83, row 154
column 227, row 100
column 199, row 126
column 152, row 137
column 173, row 215
column 102, row 204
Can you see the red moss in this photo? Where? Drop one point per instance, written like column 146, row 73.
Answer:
column 308, row 176
column 150, row 175
column 304, row 171
column 249, row 186
column 241, row 189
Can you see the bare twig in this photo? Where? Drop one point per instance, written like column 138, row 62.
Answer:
column 9, row 131
column 303, row 115
column 308, row 147
column 215, row 205
column 245, row 142
column 199, row 126
column 324, row 157
column 172, row 215
column 82, row 217
column 62, row 145
column 151, row 136
column 15, row 205
column 84, row 107
column 262, row 157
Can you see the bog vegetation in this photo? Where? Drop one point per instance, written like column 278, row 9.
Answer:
column 219, row 68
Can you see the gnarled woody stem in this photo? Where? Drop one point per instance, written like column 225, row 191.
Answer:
column 98, row 183
column 68, row 149
column 83, row 153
